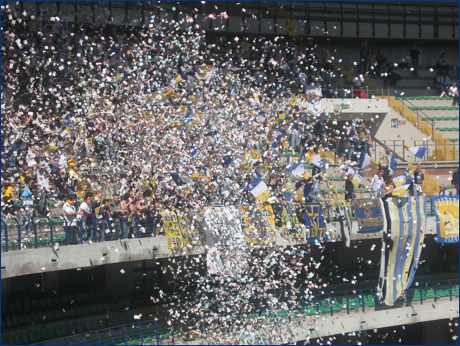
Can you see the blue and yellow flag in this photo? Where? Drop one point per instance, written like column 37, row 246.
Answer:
column 172, row 229
column 407, row 218
column 290, row 223
column 446, row 209
column 314, row 221
column 259, row 224
column 369, row 215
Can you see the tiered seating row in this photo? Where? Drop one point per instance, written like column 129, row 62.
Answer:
column 63, row 331
column 422, row 98
column 434, row 108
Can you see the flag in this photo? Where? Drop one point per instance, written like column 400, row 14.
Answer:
column 356, row 181
column 400, row 257
column 180, row 179
column 393, row 163
column 399, row 180
column 446, row 210
column 367, row 162
column 400, row 190
column 196, row 176
column 306, row 190
column 416, row 151
column 309, row 155
column 259, row 189
column 296, row 169
column 314, row 221
column 193, row 151
column 292, row 100
column 290, row 28
column 319, row 162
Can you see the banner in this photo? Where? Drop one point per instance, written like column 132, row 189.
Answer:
column 172, row 229
column 446, row 210
column 342, row 209
column 314, row 222
column 369, row 215
column 292, row 227
column 402, row 249
column 227, row 252
column 259, row 224
column 192, row 228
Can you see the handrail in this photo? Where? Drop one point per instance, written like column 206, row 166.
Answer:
column 6, row 235
column 19, row 233
column 430, row 122
column 393, row 152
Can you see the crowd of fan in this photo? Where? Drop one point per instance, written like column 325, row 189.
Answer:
column 80, row 98
column 132, row 106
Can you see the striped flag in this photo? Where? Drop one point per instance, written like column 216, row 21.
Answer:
column 400, row 190
column 399, row 262
column 399, row 180
column 296, row 169
column 393, row 163
column 356, row 181
column 259, row 189
column 416, row 151
column 367, row 162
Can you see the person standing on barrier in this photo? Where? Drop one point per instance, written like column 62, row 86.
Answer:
column 70, row 216
column 378, row 184
column 352, row 137
column 350, row 188
column 144, row 206
column 104, row 220
column 27, row 207
column 86, row 212
column 418, row 181
column 366, row 138
column 115, row 216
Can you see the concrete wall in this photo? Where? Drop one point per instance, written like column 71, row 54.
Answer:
column 122, row 252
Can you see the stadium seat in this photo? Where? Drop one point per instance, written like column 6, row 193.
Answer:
column 65, row 330
column 25, row 338
column 88, row 326
column 38, row 334
column 15, row 321
column 58, row 330
column 29, row 319
column 59, row 314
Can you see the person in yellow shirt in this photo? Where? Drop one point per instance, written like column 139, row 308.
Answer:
column 7, row 199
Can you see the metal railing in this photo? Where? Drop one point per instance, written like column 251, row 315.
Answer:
column 135, row 14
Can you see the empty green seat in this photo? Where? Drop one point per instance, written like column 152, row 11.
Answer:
column 49, row 302
column 15, row 320
column 93, row 309
column 87, row 310
column 59, row 314
column 38, row 335
column 22, row 320
column 94, row 324
column 88, row 326
column 17, row 339
column 25, row 338
column 65, row 330
column 51, row 316
column 58, row 330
